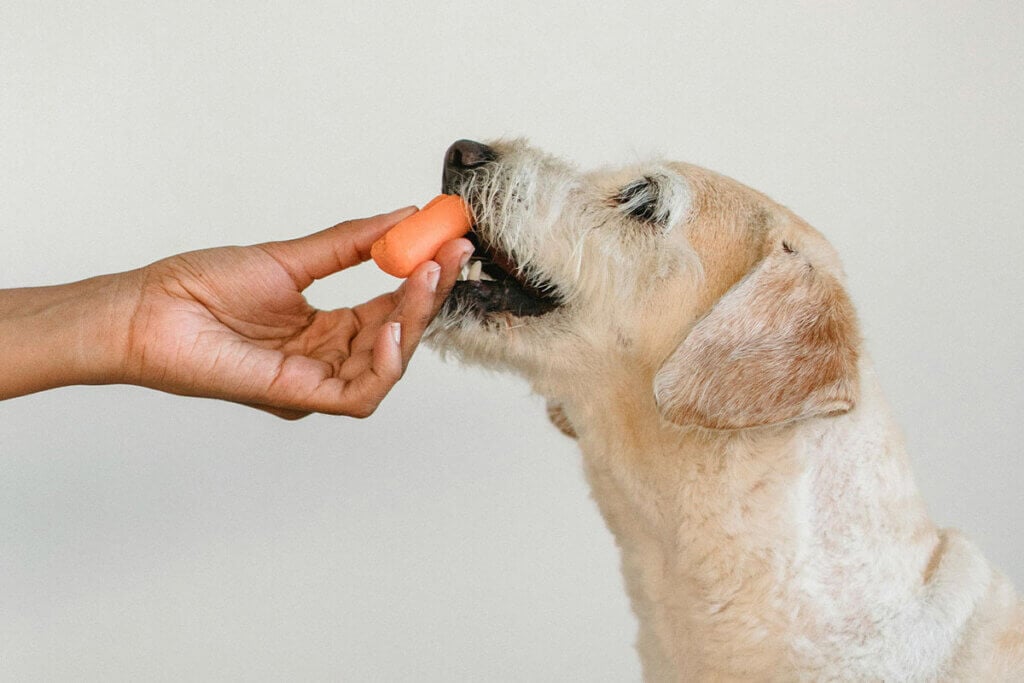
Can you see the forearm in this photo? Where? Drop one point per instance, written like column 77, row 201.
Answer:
column 65, row 334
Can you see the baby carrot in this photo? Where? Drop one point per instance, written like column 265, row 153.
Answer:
column 417, row 238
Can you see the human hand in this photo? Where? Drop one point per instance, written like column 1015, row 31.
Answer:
column 232, row 323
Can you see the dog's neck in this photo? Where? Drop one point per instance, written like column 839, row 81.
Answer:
column 757, row 550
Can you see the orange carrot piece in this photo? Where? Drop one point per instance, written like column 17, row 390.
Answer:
column 417, row 238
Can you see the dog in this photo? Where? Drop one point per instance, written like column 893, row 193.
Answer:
column 696, row 339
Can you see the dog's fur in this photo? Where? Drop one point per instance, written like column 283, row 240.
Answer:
column 707, row 358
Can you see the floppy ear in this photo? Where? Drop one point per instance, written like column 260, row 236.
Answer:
column 781, row 345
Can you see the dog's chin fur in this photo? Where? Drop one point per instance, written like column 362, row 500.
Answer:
column 706, row 356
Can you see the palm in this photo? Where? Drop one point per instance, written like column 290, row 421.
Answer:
column 232, row 323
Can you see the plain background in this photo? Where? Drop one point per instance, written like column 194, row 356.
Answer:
column 451, row 536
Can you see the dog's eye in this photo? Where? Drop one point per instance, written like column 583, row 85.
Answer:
column 639, row 199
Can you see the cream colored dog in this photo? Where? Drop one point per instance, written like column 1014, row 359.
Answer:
column 696, row 338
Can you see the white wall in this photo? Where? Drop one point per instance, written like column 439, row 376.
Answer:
column 451, row 537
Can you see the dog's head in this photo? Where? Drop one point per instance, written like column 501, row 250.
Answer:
column 729, row 307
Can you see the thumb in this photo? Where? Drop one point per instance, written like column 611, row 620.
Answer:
column 342, row 246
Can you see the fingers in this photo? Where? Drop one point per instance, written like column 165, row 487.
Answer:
column 369, row 389
column 393, row 345
column 395, row 323
column 451, row 257
column 416, row 309
column 424, row 292
column 421, row 296
column 360, row 396
column 394, row 306
column 318, row 255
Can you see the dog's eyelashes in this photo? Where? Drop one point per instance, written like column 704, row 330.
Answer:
column 640, row 200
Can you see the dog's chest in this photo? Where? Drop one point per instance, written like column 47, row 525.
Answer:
column 708, row 540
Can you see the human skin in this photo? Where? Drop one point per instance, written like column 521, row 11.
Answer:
column 230, row 323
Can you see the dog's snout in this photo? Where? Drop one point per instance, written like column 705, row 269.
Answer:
column 466, row 154
column 460, row 160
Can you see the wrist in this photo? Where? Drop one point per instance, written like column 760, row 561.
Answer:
column 65, row 334
column 101, row 310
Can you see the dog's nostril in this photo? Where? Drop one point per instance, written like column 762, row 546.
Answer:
column 468, row 154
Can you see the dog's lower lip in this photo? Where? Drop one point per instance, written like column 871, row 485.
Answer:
column 497, row 296
column 503, row 290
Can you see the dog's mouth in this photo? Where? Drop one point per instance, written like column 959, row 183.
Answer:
column 492, row 282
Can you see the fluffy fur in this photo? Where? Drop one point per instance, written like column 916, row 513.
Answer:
column 707, row 359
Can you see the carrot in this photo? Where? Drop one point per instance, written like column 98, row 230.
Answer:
column 417, row 238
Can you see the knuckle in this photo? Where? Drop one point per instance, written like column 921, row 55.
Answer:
column 363, row 410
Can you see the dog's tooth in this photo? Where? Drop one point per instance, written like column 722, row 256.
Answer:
column 475, row 269
column 464, row 273
column 485, row 276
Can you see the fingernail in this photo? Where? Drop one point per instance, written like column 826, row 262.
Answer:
column 433, row 273
column 396, row 333
column 465, row 258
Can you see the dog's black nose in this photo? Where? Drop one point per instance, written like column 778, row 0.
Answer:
column 459, row 161
column 468, row 154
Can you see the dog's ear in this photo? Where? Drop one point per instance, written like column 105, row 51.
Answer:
column 781, row 345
